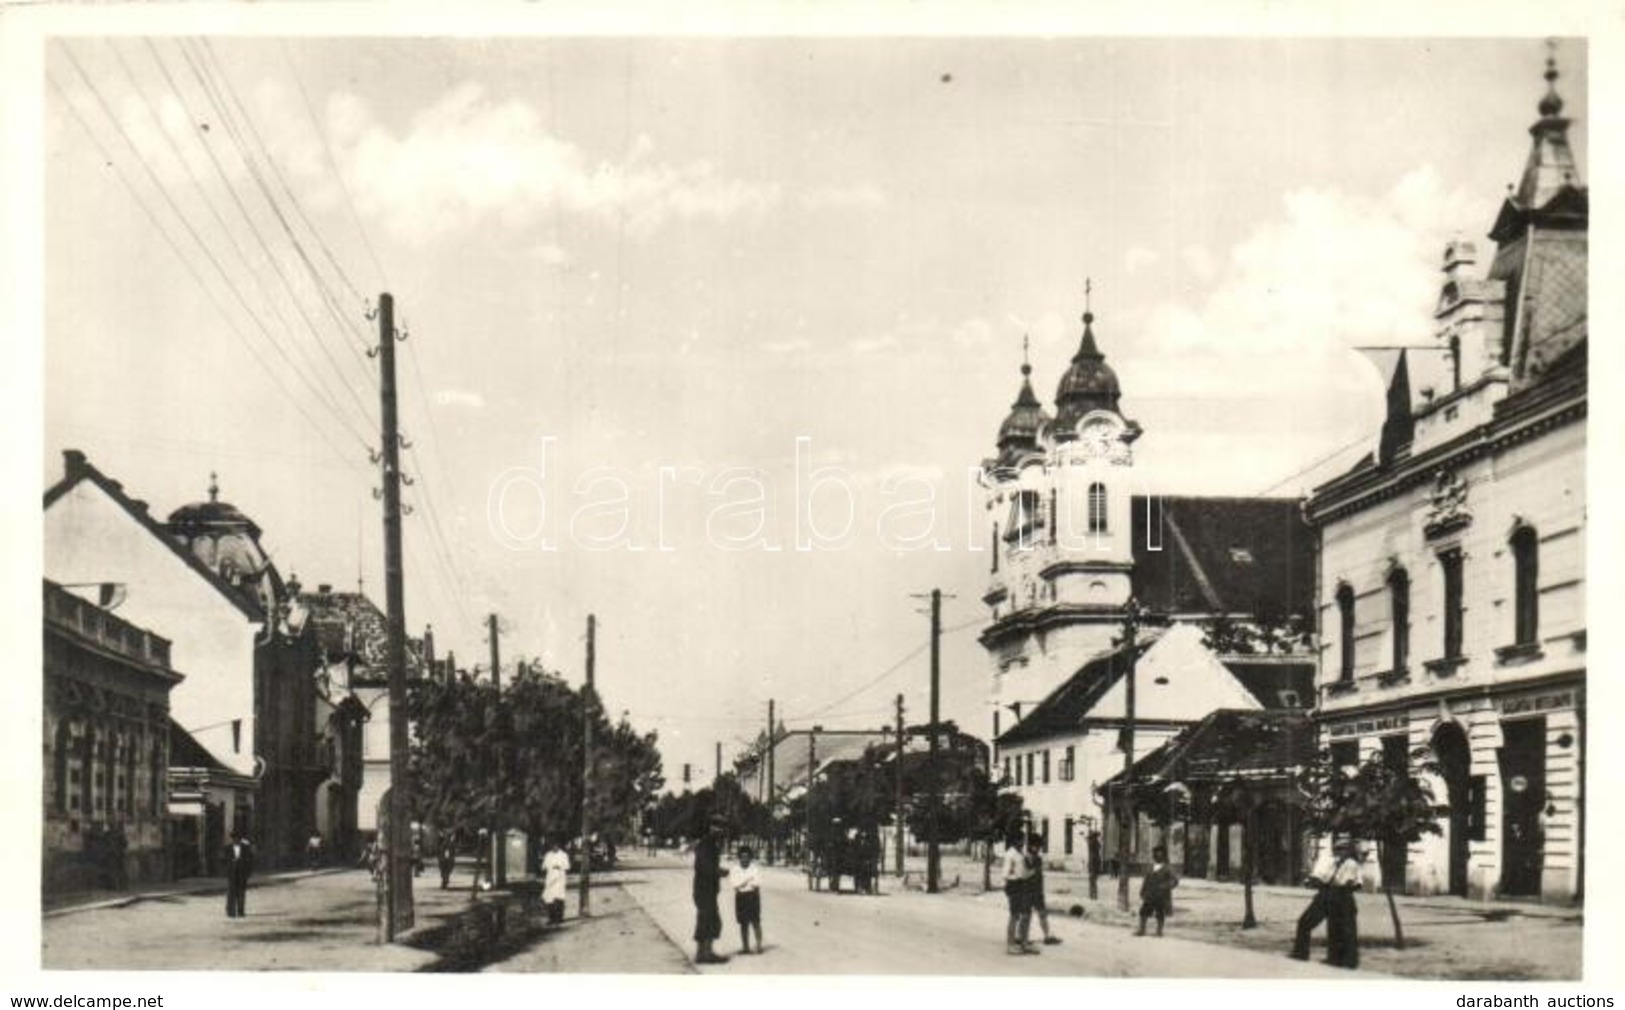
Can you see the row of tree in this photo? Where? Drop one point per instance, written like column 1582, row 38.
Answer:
column 515, row 758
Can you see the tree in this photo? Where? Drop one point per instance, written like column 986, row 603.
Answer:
column 1381, row 801
column 481, row 758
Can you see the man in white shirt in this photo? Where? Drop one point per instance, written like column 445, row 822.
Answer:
column 1319, row 878
column 1015, row 874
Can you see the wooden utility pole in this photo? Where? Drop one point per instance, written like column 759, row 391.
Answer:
column 812, row 768
column 398, row 905
column 499, row 848
column 589, row 701
column 933, row 852
column 772, row 745
column 897, row 789
column 1125, row 819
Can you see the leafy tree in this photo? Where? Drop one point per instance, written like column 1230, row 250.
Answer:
column 1379, row 801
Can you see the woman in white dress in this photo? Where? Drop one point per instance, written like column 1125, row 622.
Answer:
column 555, row 867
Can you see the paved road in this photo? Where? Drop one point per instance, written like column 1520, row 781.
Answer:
column 911, row 933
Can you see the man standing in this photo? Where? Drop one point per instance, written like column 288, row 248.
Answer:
column 1320, row 878
column 707, row 884
column 1094, row 864
column 1342, row 914
column 1015, row 873
column 239, row 862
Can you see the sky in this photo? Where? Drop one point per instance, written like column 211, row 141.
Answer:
column 673, row 302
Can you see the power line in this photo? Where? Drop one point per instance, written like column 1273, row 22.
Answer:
column 230, row 318
column 338, row 176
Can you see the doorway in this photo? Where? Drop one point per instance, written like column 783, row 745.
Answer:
column 1455, row 767
column 1523, row 792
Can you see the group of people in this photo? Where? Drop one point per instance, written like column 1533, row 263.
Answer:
column 1022, row 872
column 743, row 879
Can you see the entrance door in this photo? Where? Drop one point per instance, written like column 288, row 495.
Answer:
column 1523, row 792
column 1450, row 747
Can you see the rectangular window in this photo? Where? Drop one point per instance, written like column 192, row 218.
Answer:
column 1345, row 633
column 1069, row 765
column 1031, row 757
column 1450, row 562
column 1067, row 841
column 1395, row 753
column 1346, row 753
column 1046, row 766
column 1007, row 769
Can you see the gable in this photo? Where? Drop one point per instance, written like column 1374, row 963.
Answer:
column 1177, row 680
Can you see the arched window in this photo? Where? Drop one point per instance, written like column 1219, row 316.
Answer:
column 1345, row 632
column 1399, row 598
column 1450, row 566
column 1525, row 580
column 1097, row 507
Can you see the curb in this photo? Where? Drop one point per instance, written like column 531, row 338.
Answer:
column 206, row 886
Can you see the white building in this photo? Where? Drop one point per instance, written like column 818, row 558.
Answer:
column 1452, row 584
column 1071, row 545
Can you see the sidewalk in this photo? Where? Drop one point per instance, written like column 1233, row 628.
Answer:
column 82, row 901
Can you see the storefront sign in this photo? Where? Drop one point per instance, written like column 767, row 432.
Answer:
column 1367, row 727
column 1532, row 703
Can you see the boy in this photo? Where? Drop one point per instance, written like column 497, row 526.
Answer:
column 1016, row 891
column 1035, row 886
column 1157, row 891
column 746, row 881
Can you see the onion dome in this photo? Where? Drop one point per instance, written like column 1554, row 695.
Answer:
column 1089, row 385
column 1019, row 432
column 228, row 543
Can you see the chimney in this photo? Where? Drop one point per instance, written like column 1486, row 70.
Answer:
column 73, row 462
column 324, row 588
column 428, row 648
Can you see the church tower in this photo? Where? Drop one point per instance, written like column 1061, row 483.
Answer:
column 1057, row 500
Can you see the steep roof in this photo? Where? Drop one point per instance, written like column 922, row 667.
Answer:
column 1223, row 555
column 78, row 469
column 1269, row 680
column 1068, row 705
column 1230, row 743
column 349, row 626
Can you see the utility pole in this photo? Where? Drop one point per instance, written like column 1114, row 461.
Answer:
column 772, row 745
column 1125, row 820
column 897, row 797
column 812, row 767
column 398, row 904
column 589, row 699
column 933, row 850
column 499, row 848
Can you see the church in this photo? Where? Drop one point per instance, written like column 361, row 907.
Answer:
column 1223, row 589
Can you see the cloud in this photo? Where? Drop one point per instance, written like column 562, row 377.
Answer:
column 459, row 398
column 469, row 160
column 1334, row 271
column 1138, row 257
column 785, row 346
column 860, row 197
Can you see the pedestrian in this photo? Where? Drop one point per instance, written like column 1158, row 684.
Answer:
column 313, row 852
column 446, row 860
column 707, row 884
column 1320, row 878
column 1157, row 891
column 555, row 868
column 239, row 863
column 417, row 853
column 745, row 878
column 1093, row 848
column 1014, row 872
column 1342, row 915
column 1035, row 886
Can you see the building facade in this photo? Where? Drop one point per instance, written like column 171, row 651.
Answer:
column 106, row 740
column 1452, row 572
column 1071, row 545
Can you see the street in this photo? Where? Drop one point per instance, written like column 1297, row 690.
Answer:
column 912, row 933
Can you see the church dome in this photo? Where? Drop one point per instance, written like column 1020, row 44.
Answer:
column 227, row 542
column 1088, row 385
column 1019, row 432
